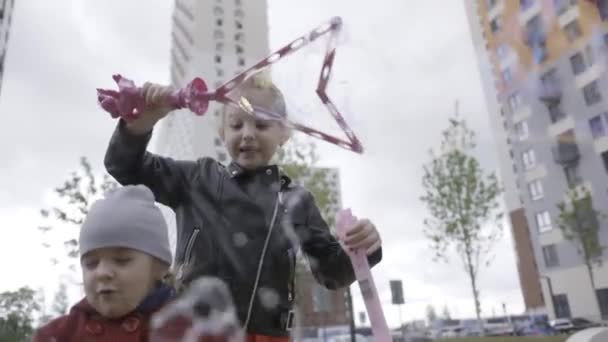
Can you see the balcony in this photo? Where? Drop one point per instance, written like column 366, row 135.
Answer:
column 550, row 92
column 567, row 14
column 528, row 10
column 566, row 153
column 536, row 39
column 496, row 10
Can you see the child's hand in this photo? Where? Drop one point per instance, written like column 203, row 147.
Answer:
column 363, row 235
column 156, row 99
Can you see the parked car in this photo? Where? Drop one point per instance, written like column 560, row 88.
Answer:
column 567, row 325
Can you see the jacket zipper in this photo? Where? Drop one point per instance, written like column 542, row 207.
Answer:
column 278, row 201
column 188, row 253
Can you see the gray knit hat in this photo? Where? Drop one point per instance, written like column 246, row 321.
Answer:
column 126, row 217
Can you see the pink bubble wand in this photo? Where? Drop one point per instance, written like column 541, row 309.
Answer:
column 128, row 101
column 344, row 222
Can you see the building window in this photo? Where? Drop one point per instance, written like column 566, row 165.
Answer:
column 241, row 62
column 320, row 298
column 502, row 50
column 550, row 256
column 218, row 59
column 591, row 93
column 561, row 306
column 507, row 77
column 217, row 141
column 491, row 3
column 521, row 130
column 221, row 157
column 238, row 24
column 238, row 13
column 525, row 4
column 495, row 24
column 219, row 47
column 602, row 296
column 219, row 72
column 239, row 49
column 573, row 177
column 218, row 34
column 555, row 112
column 529, row 159
column 543, row 221
column 550, row 78
column 536, row 190
column 602, row 7
column 605, row 160
column 573, row 30
column 578, row 63
column 597, row 127
column 218, row 11
column 514, row 101
column 219, row 22
column 239, row 37
column 561, row 6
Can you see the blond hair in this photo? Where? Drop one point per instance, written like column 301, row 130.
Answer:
column 260, row 85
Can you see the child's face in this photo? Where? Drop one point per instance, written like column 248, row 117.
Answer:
column 116, row 280
column 250, row 141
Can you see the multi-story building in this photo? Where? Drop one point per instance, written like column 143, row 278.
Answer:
column 542, row 65
column 214, row 40
column 6, row 9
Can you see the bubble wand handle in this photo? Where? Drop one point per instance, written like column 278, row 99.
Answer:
column 128, row 102
column 344, row 221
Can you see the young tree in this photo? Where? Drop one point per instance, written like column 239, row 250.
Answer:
column 446, row 313
column 580, row 223
column 60, row 302
column 75, row 197
column 463, row 203
column 17, row 310
column 431, row 314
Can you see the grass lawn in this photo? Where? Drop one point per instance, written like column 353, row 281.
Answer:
column 561, row 338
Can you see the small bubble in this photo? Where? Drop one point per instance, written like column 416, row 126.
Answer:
column 240, row 239
column 268, row 297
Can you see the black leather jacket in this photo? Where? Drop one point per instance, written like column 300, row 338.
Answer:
column 223, row 219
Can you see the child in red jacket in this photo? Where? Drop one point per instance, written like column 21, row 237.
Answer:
column 125, row 255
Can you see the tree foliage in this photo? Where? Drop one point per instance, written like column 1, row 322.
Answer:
column 463, row 203
column 580, row 223
column 17, row 310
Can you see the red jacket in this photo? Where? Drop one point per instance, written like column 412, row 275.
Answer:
column 83, row 323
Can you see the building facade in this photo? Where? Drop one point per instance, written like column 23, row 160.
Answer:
column 6, row 10
column 542, row 65
column 214, row 40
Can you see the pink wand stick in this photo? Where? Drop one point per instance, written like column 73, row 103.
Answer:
column 344, row 221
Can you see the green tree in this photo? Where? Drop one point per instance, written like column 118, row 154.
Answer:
column 298, row 160
column 446, row 313
column 60, row 302
column 580, row 223
column 463, row 203
column 75, row 197
column 431, row 314
column 17, row 310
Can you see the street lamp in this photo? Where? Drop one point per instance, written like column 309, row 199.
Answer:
column 550, row 287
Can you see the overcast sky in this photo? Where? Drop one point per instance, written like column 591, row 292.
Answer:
column 413, row 62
